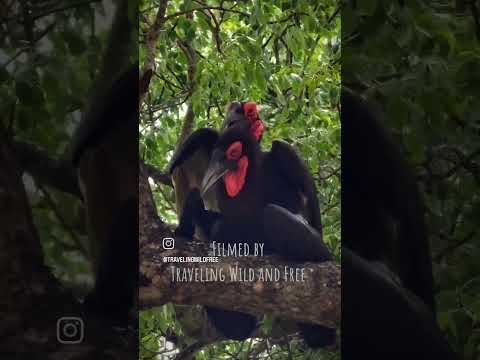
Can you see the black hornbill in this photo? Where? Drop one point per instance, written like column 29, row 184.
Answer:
column 260, row 198
column 105, row 152
column 383, row 215
column 388, row 308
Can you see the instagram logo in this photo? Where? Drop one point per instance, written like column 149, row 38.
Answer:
column 168, row 243
column 70, row 330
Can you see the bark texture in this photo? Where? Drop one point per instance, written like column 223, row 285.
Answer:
column 315, row 300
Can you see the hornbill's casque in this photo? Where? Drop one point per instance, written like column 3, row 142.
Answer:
column 105, row 152
column 260, row 196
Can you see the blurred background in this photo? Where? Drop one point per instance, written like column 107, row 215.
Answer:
column 418, row 62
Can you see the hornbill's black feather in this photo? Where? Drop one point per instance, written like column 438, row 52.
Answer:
column 292, row 167
column 203, row 138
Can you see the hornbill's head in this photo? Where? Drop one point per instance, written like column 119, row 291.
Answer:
column 234, row 153
column 244, row 114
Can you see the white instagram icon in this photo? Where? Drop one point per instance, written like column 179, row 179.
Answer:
column 168, row 243
column 70, row 330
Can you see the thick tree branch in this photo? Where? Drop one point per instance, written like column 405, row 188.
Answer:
column 149, row 223
column 316, row 299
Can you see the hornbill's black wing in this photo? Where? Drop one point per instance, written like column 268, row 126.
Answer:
column 291, row 236
column 118, row 109
column 189, row 164
column 201, row 139
column 297, row 174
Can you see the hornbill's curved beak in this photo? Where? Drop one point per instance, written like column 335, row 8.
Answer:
column 218, row 166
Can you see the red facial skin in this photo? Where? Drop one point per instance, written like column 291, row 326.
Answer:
column 235, row 179
column 257, row 129
column 256, row 125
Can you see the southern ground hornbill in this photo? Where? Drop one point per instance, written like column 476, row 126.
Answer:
column 105, row 152
column 388, row 308
column 260, row 196
column 190, row 161
column 382, row 212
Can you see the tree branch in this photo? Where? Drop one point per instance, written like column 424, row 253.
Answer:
column 149, row 222
column 152, row 37
column 191, row 56
column 180, row 13
column 52, row 11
